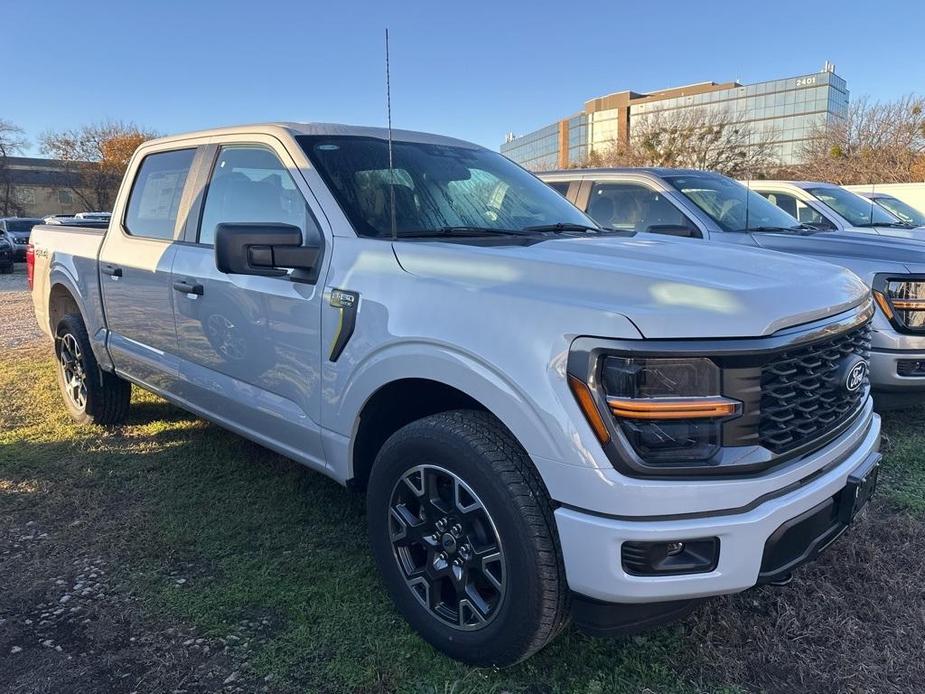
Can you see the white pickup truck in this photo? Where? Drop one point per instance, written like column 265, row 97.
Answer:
column 548, row 419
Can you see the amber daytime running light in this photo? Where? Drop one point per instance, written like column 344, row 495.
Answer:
column 669, row 409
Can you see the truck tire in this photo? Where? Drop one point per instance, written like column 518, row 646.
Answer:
column 91, row 395
column 462, row 530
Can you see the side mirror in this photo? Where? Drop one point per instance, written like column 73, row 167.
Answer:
column 674, row 230
column 262, row 249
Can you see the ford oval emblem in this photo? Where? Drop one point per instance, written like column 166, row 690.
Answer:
column 856, row 376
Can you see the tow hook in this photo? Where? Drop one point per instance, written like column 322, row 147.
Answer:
column 782, row 581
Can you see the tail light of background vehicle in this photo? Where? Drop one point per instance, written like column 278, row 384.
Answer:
column 30, row 264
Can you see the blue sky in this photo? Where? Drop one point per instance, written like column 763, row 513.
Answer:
column 470, row 69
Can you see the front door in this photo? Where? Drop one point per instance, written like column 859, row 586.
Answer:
column 135, row 271
column 250, row 347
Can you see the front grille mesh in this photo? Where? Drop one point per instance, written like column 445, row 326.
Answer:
column 802, row 393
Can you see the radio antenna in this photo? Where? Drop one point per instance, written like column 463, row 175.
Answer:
column 748, row 191
column 388, row 110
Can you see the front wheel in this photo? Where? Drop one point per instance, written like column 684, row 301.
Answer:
column 462, row 530
column 91, row 396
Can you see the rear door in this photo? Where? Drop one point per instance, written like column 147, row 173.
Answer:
column 135, row 269
column 250, row 346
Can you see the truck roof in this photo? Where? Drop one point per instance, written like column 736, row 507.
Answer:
column 798, row 184
column 294, row 129
column 654, row 170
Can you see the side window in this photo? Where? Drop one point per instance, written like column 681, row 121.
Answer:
column 251, row 184
column 155, row 198
column 633, row 207
column 561, row 187
column 798, row 209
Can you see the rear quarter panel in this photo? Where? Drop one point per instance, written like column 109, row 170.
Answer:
column 67, row 257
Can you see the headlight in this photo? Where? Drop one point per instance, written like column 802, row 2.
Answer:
column 902, row 300
column 670, row 410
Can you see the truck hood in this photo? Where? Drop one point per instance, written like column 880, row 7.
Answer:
column 916, row 233
column 668, row 287
column 893, row 253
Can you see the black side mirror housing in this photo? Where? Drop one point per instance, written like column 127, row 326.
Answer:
column 261, row 248
column 674, row 230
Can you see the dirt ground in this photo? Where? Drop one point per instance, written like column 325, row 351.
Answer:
column 73, row 621
column 17, row 323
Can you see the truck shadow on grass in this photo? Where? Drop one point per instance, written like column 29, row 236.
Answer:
column 225, row 561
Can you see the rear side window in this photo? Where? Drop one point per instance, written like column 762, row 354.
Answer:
column 155, row 197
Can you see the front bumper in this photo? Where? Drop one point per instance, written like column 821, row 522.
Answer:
column 19, row 253
column 592, row 544
column 888, row 348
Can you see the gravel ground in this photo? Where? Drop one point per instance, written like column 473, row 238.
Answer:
column 17, row 322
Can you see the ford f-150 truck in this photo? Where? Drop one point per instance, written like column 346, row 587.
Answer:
column 547, row 419
column 708, row 206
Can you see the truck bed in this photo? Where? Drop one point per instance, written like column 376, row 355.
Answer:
column 68, row 255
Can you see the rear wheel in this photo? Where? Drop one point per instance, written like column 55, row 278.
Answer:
column 91, row 396
column 462, row 530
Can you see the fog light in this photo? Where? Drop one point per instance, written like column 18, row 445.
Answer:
column 674, row 557
column 910, row 367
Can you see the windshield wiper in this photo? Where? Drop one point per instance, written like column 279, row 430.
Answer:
column 461, row 230
column 559, row 227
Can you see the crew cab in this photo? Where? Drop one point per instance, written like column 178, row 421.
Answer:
column 708, row 206
column 830, row 207
column 548, row 419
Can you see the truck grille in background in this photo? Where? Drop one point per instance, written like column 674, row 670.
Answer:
column 802, row 393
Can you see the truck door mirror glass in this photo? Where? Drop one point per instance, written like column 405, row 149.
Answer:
column 262, row 249
column 674, row 230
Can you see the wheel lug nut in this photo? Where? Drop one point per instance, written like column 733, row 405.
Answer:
column 457, row 530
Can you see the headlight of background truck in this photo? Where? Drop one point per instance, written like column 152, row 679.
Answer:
column 902, row 300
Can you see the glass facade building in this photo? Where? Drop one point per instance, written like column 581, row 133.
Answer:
column 789, row 108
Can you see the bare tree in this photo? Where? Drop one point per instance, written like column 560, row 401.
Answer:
column 878, row 142
column 96, row 156
column 696, row 138
column 12, row 141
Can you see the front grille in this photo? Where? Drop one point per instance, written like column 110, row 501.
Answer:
column 802, row 390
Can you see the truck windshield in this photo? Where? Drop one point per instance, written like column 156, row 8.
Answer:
column 731, row 205
column 857, row 210
column 905, row 212
column 435, row 187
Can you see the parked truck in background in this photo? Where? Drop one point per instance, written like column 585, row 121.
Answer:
column 708, row 206
column 548, row 419
column 829, row 207
column 904, row 211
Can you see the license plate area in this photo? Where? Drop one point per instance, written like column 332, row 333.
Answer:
column 861, row 485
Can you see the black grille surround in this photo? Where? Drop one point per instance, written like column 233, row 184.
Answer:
column 791, row 386
column 803, row 394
